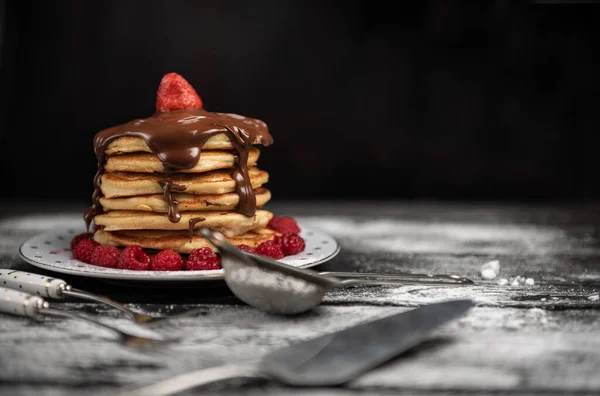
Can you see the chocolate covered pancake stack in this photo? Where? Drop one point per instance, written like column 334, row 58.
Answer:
column 161, row 178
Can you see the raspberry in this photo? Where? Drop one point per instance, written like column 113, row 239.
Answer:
column 246, row 248
column 105, row 256
column 202, row 259
column 290, row 243
column 78, row 238
column 167, row 260
column 270, row 249
column 83, row 250
column 283, row 224
column 175, row 93
column 134, row 258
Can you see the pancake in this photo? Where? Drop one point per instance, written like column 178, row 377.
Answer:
column 149, row 163
column 179, row 241
column 124, row 184
column 132, row 144
column 187, row 202
column 228, row 223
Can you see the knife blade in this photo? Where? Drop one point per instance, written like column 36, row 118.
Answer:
column 329, row 360
column 336, row 358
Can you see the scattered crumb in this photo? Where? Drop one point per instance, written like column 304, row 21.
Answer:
column 490, row 269
column 517, row 281
column 543, row 299
column 488, row 274
column 594, row 297
column 493, row 265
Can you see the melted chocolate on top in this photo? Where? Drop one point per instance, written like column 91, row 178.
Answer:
column 177, row 137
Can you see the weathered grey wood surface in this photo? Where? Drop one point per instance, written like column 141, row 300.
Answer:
column 518, row 340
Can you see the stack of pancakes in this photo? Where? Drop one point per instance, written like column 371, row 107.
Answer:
column 144, row 206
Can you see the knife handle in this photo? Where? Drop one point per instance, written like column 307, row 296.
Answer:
column 32, row 283
column 18, row 303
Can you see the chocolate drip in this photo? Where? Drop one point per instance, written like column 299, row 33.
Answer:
column 243, row 186
column 96, row 208
column 168, row 186
column 193, row 222
column 177, row 137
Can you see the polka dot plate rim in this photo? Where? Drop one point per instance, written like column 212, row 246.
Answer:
column 50, row 250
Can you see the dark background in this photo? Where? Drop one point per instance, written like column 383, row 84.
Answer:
column 435, row 100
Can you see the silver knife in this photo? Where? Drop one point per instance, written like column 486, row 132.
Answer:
column 328, row 360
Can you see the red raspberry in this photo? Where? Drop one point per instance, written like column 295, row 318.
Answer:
column 175, row 93
column 78, row 238
column 84, row 250
column 270, row 249
column 246, row 248
column 290, row 243
column 105, row 256
column 202, row 259
column 167, row 260
column 134, row 258
column 283, row 224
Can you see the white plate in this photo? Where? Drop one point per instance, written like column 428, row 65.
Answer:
column 51, row 251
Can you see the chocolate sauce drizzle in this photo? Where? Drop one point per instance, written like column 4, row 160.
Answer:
column 168, row 186
column 176, row 138
column 193, row 223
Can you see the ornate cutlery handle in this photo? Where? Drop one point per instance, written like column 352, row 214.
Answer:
column 57, row 288
column 32, row 283
column 19, row 303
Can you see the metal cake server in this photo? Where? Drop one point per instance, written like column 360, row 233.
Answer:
column 19, row 303
column 57, row 288
column 278, row 288
column 328, row 360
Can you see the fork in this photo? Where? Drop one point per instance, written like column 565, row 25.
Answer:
column 57, row 288
column 24, row 304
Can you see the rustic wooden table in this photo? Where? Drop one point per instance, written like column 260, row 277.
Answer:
column 518, row 340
